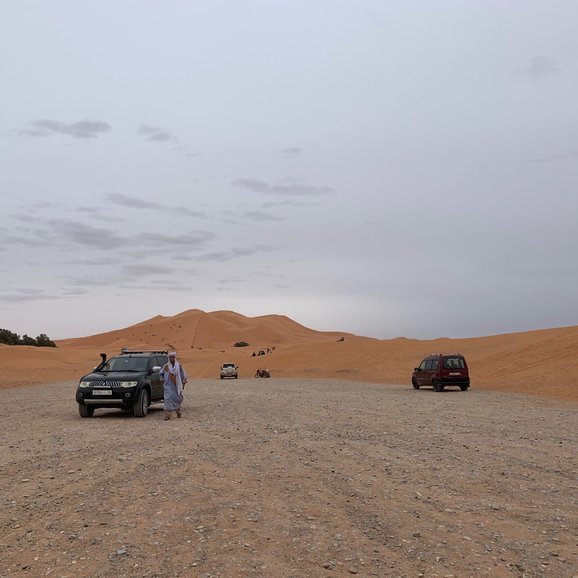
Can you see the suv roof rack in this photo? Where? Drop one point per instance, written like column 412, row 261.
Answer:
column 125, row 351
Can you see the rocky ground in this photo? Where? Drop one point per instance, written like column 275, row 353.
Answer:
column 290, row 478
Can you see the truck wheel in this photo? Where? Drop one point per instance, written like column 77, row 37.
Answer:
column 85, row 410
column 415, row 384
column 464, row 387
column 437, row 386
column 141, row 405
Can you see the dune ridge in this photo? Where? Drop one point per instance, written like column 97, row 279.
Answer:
column 542, row 362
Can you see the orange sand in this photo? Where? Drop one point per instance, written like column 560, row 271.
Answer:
column 543, row 362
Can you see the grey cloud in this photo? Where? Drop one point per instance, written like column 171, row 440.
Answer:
column 95, row 262
column 287, row 188
column 156, row 134
column 224, row 256
column 106, row 239
column 289, row 203
column 180, row 210
column 25, row 240
column 261, row 216
column 44, row 205
column 170, row 282
column 134, row 280
column 92, row 281
column 99, row 214
column 29, row 218
column 220, row 257
column 540, row 67
column 83, row 129
column 74, row 292
column 83, row 234
column 553, row 158
column 133, row 202
column 169, row 286
column 232, row 280
column 30, row 291
column 186, row 240
column 291, row 152
column 243, row 251
column 137, row 203
column 147, row 130
column 161, row 137
column 146, row 270
column 25, row 295
column 180, row 257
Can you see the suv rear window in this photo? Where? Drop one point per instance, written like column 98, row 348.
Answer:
column 454, row 363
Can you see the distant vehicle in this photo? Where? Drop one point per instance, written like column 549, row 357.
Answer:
column 129, row 381
column 229, row 370
column 262, row 373
column 441, row 370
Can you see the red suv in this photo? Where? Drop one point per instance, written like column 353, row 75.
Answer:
column 440, row 370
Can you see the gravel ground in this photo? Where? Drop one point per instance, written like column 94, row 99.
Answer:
column 290, row 478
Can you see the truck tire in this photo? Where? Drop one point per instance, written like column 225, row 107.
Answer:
column 85, row 410
column 141, row 404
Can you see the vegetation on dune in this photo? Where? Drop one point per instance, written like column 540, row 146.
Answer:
column 10, row 338
column 241, row 344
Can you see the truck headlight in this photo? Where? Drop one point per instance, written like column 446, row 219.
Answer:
column 84, row 384
column 128, row 383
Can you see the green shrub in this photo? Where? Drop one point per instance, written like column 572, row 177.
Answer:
column 10, row 338
column 241, row 344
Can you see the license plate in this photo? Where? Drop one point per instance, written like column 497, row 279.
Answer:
column 102, row 392
column 455, row 373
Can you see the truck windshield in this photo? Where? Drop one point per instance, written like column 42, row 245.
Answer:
column 126, row 364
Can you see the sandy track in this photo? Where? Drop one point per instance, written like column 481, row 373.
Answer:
column 283, row 478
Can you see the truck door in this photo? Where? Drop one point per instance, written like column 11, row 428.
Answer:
column 420, row 375
column 155, row 378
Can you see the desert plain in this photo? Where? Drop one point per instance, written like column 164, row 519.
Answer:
column 333, row 467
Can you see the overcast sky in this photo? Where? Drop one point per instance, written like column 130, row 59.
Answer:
column 386, row 168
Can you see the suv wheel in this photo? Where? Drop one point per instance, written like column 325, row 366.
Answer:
column 141, row 405
column 415, row 383
column 85, row 410
column 437, row 386
column 464, row 387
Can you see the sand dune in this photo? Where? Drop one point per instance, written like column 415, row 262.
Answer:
column 543, row 362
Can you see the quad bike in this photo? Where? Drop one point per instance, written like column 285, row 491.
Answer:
column 263, row 373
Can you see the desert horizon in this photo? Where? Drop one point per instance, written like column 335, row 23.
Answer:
column 542, row 362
